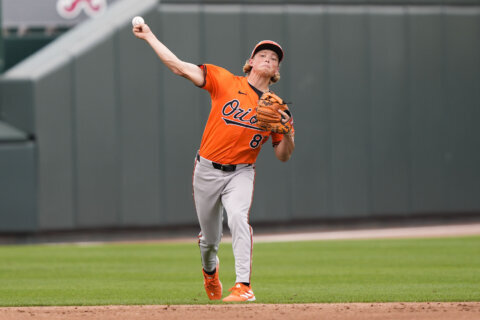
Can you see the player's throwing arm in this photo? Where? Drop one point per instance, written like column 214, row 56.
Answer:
column 185, row 69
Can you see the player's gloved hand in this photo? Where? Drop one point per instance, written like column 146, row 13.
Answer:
column 273, row 114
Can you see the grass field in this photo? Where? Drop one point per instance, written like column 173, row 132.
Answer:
column 446, row 269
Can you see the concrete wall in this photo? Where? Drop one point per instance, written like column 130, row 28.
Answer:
column 17, row 180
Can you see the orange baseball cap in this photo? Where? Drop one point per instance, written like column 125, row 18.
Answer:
column 271, row 45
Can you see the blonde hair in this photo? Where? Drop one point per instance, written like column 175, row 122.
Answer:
column 247, row 68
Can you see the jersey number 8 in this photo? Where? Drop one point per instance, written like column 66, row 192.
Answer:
column 256, row 141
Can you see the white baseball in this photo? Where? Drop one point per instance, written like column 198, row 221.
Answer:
column 137, row 20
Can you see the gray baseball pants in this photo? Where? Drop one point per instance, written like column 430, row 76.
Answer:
column 214, row 190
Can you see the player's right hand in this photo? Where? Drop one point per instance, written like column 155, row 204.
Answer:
column 142, row 31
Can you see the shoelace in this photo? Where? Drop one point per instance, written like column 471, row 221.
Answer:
column 212, row 284
column 238, row 290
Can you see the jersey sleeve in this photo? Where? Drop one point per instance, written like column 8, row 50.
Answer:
column 276, row 139
column 214, row 76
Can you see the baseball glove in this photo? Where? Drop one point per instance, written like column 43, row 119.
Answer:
column 268, row 117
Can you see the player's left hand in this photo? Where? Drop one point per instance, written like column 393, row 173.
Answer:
column 285, row 116
column 273, row 114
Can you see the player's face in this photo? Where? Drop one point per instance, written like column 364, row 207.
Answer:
column 265, row 62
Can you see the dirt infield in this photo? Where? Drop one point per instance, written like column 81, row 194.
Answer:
column 357, row 311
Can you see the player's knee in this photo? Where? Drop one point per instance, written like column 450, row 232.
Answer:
column 207, row 244
column 213, row 247
column 237, row 220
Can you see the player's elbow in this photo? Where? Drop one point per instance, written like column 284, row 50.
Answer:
column 178, row 71
column 190, row 72
column 176, row 66
column 283, row 153
column 283, row 156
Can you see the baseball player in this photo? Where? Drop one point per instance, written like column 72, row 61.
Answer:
column 224, row 170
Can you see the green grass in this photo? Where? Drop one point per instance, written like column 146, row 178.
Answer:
column 299, row 272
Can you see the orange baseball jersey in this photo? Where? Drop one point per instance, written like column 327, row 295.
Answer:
column 231, row 135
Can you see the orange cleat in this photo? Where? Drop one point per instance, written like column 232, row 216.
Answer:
column 240, row 293
column 213, row 286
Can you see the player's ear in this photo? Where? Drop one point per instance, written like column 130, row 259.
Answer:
column 278, row 70
column 247, row 67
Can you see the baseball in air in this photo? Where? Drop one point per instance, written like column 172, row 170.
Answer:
column 137, row 20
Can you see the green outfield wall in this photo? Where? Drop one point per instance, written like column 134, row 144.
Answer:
column 386, row 102
column 2, row 54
